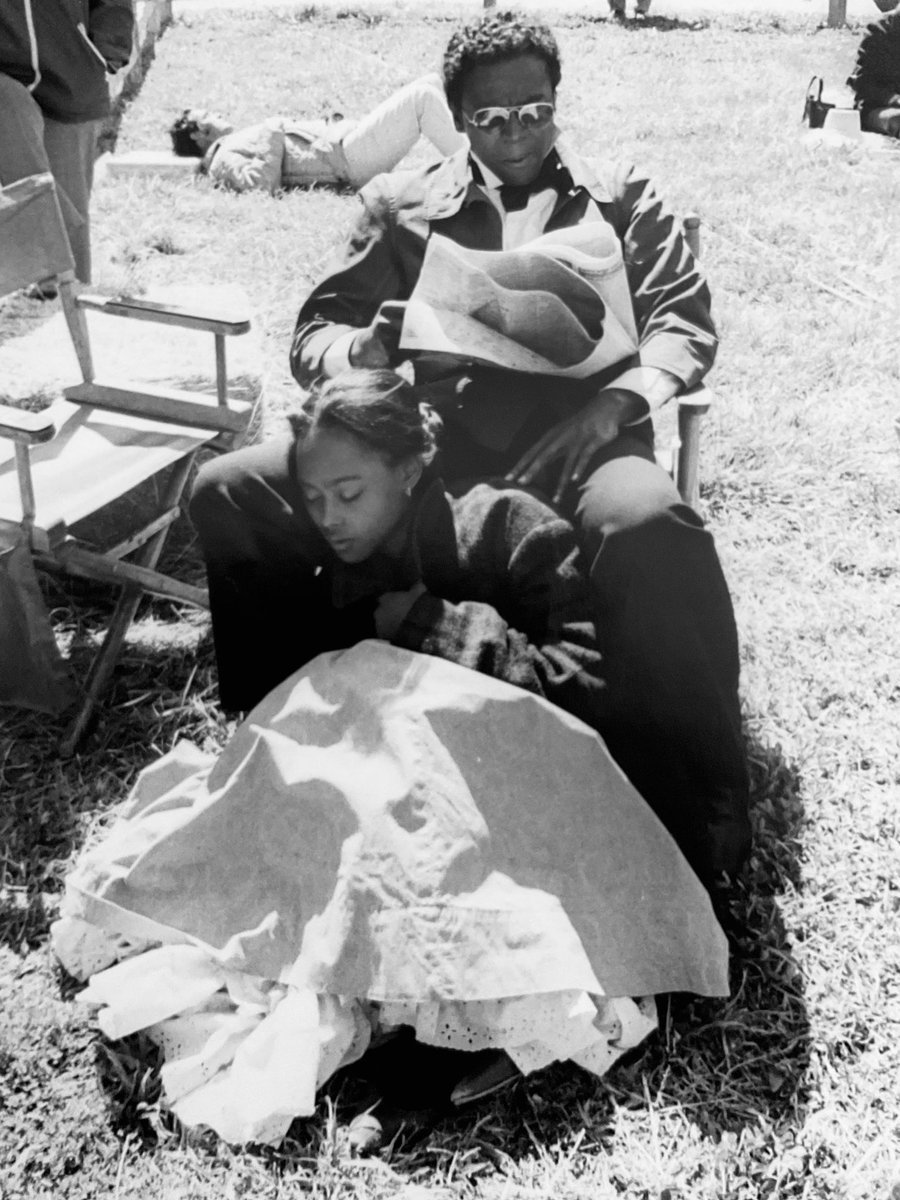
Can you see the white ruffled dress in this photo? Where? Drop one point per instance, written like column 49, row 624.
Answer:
column 388, row 839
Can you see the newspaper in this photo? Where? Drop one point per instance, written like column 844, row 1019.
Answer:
column 559, row 305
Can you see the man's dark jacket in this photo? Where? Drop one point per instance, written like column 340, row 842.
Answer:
column 61, row 50
column 383, row 257
column 876, row 77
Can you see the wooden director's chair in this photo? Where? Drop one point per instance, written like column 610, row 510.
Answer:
column 76, row 458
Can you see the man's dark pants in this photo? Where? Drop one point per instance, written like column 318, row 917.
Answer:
column 665, row 623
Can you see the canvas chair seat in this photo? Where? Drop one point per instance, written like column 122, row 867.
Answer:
column 94, row 458
column 169, row 396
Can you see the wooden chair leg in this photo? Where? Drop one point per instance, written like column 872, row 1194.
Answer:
column 690, row 414
column 77, row 323
column 111, row 647
column 102, row 668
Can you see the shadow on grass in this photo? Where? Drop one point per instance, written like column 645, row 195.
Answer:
column 637, row 24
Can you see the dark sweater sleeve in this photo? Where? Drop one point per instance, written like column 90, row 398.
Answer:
column 876, row 77
column 363, row 275
column 533, row 627
column 112, row 30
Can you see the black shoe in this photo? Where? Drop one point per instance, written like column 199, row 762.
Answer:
column 365, row 1134
column 495, row 1072
column 46, row 290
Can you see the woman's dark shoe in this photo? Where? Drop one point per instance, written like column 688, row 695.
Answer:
column 495, row 1071
column 45, row 290
column 365, row 1134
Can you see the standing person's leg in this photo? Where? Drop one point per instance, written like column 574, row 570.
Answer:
column 666, row 630
column 248, row 512
column 384, row 136
column 71, row 149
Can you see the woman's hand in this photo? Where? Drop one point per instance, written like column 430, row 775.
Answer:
column 393, row 608
column 578, row 438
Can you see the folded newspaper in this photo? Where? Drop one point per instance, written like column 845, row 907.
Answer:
column 559, row 305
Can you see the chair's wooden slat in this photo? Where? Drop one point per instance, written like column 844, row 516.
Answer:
column 691, row 407
column 166, row 314
column 166, row 404
column 691, row 226
column 26, row 427
column 77, row 323
column 221, row 372
column 26, row 486
column 91, row 565
column 130, row 544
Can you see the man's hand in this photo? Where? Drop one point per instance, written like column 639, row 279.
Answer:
column 377, row 344
column 578, row 438
column 393, row 608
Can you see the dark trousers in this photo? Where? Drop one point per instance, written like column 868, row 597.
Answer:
column 665, row 623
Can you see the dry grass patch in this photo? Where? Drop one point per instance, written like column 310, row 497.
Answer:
column 788, row 1089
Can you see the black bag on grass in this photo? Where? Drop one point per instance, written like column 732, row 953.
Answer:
column 815, row 108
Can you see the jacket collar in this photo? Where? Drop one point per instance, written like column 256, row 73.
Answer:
column 450, row 186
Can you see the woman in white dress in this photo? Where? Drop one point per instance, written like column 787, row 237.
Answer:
column 410, row 831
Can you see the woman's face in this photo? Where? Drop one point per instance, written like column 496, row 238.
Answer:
column 355, row 497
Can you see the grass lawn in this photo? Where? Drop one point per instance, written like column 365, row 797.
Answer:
column 787, row 1090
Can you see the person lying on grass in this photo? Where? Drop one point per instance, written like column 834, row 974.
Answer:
column 284, row 153
column 405, row 834
column 661, row 606
column 876, row 76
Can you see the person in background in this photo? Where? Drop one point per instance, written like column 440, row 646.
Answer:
column 617, row 9
column 283, row 152
column 876, row 76
column 55, row 56
column 659, row 600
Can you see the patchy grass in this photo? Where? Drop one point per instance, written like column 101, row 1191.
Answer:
column 788, row 1089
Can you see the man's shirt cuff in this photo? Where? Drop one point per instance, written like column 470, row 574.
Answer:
column 637, row 380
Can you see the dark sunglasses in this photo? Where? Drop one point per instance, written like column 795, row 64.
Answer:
column 495, row 118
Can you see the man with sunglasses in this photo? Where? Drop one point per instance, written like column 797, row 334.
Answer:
column 671, row 714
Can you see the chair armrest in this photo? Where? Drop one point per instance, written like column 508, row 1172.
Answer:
column 164, row 404
column 697, row 399
column 28, row 428
column 210, row 319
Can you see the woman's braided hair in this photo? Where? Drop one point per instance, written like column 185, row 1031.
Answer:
column 377, row 406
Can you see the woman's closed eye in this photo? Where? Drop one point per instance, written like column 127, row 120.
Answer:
column 344, row 495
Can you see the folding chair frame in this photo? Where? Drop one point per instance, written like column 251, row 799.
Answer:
column 139, row 574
